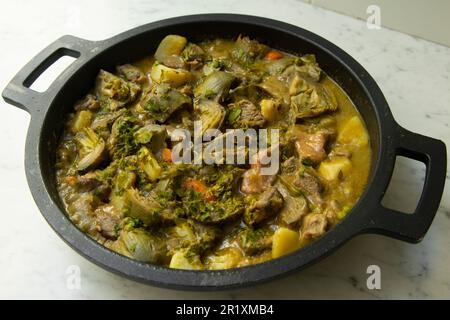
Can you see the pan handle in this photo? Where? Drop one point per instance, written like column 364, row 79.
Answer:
column 412, row 227
column 18, row 92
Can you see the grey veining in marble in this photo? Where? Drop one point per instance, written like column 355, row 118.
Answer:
column 414, row 75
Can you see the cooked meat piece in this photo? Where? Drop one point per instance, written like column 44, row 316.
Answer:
column 131, row 73
column 107, row 218
column 253, row 181
column 294, row 210
column 311, row 187
column 331, row 212
column 245, row 114
column 81, row 212
column 268, row 204
column 89, row 102
column 90, row 182
column 246, row 50
column 311, row 146
column 314, row 225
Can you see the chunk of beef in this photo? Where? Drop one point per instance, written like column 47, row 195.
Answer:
column 89, row 102
column 245, row 114
column 311, row 187
column 294, row 210
column 311, row 146
column 314, row 225
column 268, row 204
column 131, row 73
column 253, row 181
column 107, row 219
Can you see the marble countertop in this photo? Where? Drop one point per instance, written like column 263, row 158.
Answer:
column 414, row 75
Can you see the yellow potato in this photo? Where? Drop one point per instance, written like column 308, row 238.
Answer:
column 353, row 132
column 333, row 169
column 269, row 109
column 284, row 241
column 174, row 77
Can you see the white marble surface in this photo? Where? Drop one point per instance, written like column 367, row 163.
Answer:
column 414, row 75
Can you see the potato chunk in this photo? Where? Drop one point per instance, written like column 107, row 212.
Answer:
column 335, row 168
column 353, row 132
column 269, row 109
column 284, row 241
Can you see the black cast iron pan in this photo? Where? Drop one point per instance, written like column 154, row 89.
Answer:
column 49, row 109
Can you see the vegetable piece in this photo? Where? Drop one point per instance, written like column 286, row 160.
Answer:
column 270, row 109
column 353, row 133
column 187, row 260
column 255, row 241
column 153, row 135
column 140, row 245
column 166, row 155
column 273, row 55
column 268, row 204
column 196, row 208
column 149, row 164
column 312, row 100
column 134, row 205
column 103, row 121
column 119, row 91
column 210, row 113
column 295, row 208
column 81, row 120
column 91, row 149
column 284, row 241
column 226, row 258
column 276, row 67
column 121, row 142
column 124, row 180
column 276, row 88
column 191, row 234
column 163, row 101
column 309, row 71
column 169, row 47
column 335, row 168
column 215, row 86
column 174, row 77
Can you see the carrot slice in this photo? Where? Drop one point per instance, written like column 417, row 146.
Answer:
column 274, row 55
column 200, row 187
column 167, row 155
column 71, row 180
